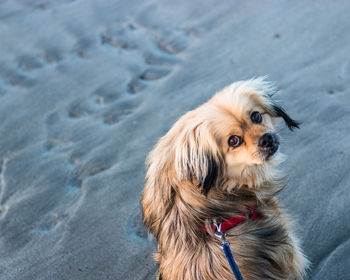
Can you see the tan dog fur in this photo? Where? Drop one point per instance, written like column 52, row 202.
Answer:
column 194, row 177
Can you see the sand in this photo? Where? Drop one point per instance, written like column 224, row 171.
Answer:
column 87, row 88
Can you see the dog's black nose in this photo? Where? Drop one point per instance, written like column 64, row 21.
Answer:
column 267, row 140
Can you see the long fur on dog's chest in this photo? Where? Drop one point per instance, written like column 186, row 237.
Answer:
column 263, row 249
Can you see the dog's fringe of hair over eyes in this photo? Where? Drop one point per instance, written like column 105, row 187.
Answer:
column 174, row 208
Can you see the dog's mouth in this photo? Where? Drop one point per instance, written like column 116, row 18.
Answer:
column 268, row 153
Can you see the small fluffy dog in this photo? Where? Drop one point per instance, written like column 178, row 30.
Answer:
column 218, row 162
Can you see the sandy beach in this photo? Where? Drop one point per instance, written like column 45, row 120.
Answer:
column 88, row 87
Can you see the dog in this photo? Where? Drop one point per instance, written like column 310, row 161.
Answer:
column 218, row 162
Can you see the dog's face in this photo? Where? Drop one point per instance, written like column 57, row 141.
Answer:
column 232, row 137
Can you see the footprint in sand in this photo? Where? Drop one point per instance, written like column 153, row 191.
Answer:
column 152, row 74
column 28, row 62
column 39, row 60
column 161, row 60
column 173, row 41
column 107, row 39
column 83, row 47
column 51, row 56
column 14, row 78
column 136, row 85
column 114, row 117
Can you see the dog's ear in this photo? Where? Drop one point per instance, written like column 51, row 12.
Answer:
column 197, row 157
column 278, row 111
column 211, row 172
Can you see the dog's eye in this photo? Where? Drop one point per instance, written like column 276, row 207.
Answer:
column 256, row 117
column 234, row 141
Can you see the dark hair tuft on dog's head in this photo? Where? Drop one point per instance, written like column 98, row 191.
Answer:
column 280, row 112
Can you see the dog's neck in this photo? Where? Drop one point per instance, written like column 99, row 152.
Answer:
column 222, row 203
column 217, row 203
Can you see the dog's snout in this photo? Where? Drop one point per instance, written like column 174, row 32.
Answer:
column 267, row 140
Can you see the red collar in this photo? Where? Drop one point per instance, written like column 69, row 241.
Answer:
column 234, row 221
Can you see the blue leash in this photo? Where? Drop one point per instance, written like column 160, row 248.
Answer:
column 225, row 245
